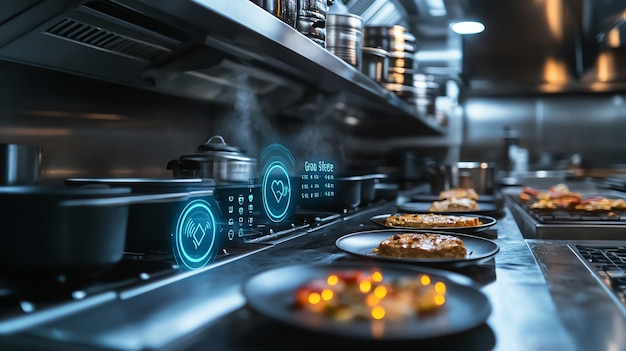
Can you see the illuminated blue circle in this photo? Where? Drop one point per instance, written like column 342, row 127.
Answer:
column 194, row 218
column 275, row 213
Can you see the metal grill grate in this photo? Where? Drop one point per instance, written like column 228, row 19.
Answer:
column 87, row 34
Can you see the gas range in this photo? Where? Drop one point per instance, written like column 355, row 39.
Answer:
column 607, row 261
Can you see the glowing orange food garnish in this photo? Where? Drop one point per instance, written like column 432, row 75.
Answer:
column 378, row 312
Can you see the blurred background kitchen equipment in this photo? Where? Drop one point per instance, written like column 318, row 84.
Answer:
column 19, row 164
column 217, row 160
column 481, row 176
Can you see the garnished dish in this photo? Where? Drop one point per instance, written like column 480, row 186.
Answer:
column 422, row 245
column 431, row 220
column 456, row 200
column 459, row 193
column 426, row 247
column 354, row 294
column 361, row 300
column 454, row 205
column 560, row 197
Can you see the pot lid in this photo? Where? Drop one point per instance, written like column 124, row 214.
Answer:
column 217, row 143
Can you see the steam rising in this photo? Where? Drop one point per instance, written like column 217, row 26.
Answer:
column 247, row 124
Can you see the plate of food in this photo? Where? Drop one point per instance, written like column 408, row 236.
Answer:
column 424, row 247
column 451, row 206
column 368, row 302
column 435, row 221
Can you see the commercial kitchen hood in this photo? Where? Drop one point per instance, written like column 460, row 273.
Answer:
column 544, row 46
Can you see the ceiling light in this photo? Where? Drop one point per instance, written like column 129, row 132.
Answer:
column 467, row 27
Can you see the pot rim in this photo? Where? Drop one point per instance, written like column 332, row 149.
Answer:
column 207, row 156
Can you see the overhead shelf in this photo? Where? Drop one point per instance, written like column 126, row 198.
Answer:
column 197, row 49
column 244, row 30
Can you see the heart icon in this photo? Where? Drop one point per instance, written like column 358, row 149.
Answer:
column 278, row 189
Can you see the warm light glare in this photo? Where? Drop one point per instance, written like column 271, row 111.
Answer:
column 613, row 38
column 440, row 288
column 380, row 291
column 314, row 298
column 554, row 17
column 378, row 312
column 332, row 280
column 425, row 280
column 440, row 300
column 554, row 71
column 327, row 294
column 377, row 277
column 467, row 27
column 365, row 286
column 371, row 300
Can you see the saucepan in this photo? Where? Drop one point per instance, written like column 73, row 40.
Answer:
column 217, row 160
column 481, row 176
column 150, row 225
column 63, row 232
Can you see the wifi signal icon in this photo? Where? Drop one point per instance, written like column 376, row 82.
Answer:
column 196, row 231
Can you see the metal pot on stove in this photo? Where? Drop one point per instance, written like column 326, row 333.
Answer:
column 215, row 159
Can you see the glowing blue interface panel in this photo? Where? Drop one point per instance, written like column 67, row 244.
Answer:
column 195, row 239
column 277, row 183
column 317, row 180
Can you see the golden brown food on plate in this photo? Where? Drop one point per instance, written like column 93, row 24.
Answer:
column 458, row 193
column 454, row 205
column 431, row 220
column 426, row 245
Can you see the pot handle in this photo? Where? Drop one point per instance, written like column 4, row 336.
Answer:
column 217, row 143
column 127, row 200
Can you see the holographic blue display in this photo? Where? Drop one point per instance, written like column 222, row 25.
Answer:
column 276, row 188
column 276, row 192
column 195, row 239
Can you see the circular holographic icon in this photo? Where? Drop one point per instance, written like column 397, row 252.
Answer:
column 276, row 188
column 195, row 239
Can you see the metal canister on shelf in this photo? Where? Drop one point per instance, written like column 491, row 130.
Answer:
column 390, row 38
column 312, row 28
column 311, row 20
column 375, row 63
column 285, row 10
column 344, row 37
column 426, row 88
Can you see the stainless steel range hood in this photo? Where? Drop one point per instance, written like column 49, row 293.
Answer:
column 130, row 42
column 545, row 46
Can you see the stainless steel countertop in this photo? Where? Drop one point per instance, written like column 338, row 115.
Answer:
column 544, row 302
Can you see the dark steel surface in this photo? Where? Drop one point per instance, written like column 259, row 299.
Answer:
column 589, row 313
column 206, row 309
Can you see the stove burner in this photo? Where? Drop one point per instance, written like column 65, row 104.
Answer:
column 610, row 264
